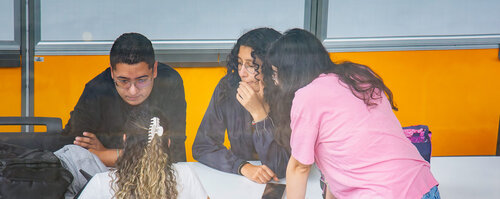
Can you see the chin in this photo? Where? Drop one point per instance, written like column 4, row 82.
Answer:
column 135, row 103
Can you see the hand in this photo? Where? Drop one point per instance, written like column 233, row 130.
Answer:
column 90, row 142
column 258, row 173
column 253, row 101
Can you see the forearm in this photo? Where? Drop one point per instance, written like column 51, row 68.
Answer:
column 178, row 149
column 217, row 157
column 296, row 179
column 107, row 156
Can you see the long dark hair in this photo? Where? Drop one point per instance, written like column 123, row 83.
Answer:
column 259, row 40
column 300, row 58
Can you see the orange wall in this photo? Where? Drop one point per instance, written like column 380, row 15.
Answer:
column 455, row 92
column 10, row 95
column 452, row 91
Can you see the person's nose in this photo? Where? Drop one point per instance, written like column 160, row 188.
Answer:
column 133, row 90
column 242, row 72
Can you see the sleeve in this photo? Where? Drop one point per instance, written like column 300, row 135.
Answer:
column 208, row 145
column 270, row 152
column 174, row 109
column 305, row 130
column 86, row 114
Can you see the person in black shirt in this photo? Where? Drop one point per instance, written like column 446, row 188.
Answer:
column 238, row 106
column 134, row 81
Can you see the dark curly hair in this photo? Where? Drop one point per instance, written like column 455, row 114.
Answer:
column 259, row 40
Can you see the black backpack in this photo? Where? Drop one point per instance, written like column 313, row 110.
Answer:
column 31, row 173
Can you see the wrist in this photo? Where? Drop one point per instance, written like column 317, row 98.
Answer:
column 259, row 116
column 240, row 168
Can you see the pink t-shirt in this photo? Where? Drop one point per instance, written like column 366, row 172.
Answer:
column 361, row 150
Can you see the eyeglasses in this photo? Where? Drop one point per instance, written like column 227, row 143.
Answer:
column 250, row 68
column 139, row 83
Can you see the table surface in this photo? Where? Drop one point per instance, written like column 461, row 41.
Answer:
column 222, row 185
column 467, row 176
column 459, row 177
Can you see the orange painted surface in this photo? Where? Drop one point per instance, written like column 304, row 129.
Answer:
column 455, row 92
column 199, row 84
column 10, row 92
column 60, row 80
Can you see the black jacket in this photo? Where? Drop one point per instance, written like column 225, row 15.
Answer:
column 102, row 111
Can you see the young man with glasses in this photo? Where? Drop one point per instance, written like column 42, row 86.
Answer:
column 134, row 81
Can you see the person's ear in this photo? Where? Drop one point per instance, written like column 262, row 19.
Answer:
column 124, row 137
column 155, row 67
column 168, row 143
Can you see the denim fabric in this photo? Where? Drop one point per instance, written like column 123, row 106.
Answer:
column 432, row 194
column 74, row 158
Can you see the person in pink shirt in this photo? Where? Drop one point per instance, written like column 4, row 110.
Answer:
column 341, row 118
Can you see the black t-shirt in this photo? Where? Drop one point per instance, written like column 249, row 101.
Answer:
column 101, row 110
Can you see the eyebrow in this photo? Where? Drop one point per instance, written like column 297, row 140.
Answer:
column 249, row 60
column 121, row 77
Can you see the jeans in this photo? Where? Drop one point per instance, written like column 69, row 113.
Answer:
column 432, row 194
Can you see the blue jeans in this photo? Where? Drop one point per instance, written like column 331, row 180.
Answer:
column 432, row 194
column 73, row 158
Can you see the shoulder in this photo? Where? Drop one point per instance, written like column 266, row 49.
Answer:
column 167, row 72
column 101, row 83
column 221, row 85
column 104, row 177
column 324, row 82
column 182, row 170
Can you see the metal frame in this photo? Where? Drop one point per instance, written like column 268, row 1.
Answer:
column 27, row 54
column 358, row 44
column 204, row 52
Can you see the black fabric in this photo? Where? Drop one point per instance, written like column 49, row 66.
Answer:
column 101, row 110
column 31, row 173
column 248, row 142
column 36, row 140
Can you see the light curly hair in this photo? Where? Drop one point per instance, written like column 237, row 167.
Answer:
column 144, row 170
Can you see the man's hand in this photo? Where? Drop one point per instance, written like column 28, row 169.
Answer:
column 258, row 173
column 90, row 142
column 252, row 101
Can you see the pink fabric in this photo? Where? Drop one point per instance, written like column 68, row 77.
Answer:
column 361, row 150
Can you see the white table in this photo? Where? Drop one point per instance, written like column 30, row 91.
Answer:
column 222, row 185
column 459, row 177
column 468, row 176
